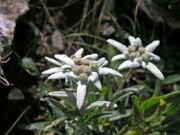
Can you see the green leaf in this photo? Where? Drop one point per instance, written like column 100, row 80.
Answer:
column 59, row 110
column 43, row 89
column 104, row 91
column 86, row 35
column 119, row 95
column 70, row 131
column 38, row 125
column 137, row 111
column 147, row 106
column 171, row 79
column 173, row 125
column 28, row 63
column 118, row 116
column 111, row 52
column 157, row 89
column 55, row 123
column 41, row 127
column 153, row 116
column 56, row 107
column 105, row 104
column 173, row 108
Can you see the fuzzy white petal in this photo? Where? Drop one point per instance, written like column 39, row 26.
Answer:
column 109, row 71
column 71, row 76
column 129, row 64
column 58, row 75
column 155, row 57
column 135, row 64
column 131, row 40
column 106, row 104
column 93, row 77
column 52, row 70
column 143, row 64
column 79, row 53
column 62, row 94
column 66, row 67
column 98, row 84
column 153, row 69
column 101, row 61
column 104, row 64
column 135, row 41
column 81, row 95
column 91, row 56
column 118, row 57
column 64, row 58
column 117, row 45
column 152, row 46
column 53, row 61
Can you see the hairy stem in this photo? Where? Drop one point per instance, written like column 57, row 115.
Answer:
column 125, row 79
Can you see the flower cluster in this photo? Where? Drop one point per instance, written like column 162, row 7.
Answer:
column 135, row 55
column 82, row 70
column 85, row 70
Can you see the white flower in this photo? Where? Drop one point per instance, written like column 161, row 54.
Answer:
column 135, row 55
column 82, row 70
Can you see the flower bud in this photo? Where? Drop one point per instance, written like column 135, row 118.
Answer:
column 131, row 48
column 72, row 57
column 140, row 59
column 77, row 61
column 83, row 77
column 85, row 62
column 146, row 56
column 126, row 53
column 132, row 55
column 94, row 66
column 77, row 70
column 138, row 54
column 141, row 50
column 86, row 69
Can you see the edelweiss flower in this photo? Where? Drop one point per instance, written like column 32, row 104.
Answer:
column 136, row 55
column 82, row 70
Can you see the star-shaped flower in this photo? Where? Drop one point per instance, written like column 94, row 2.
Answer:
column 135, row 55
column 82, row 70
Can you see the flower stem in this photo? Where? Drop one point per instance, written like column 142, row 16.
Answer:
column 17, row 120
column 125, row 79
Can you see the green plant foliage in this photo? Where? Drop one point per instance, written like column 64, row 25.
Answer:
column 149, row 116
column 171, row 79
column 28, row 63
column 43, row 89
